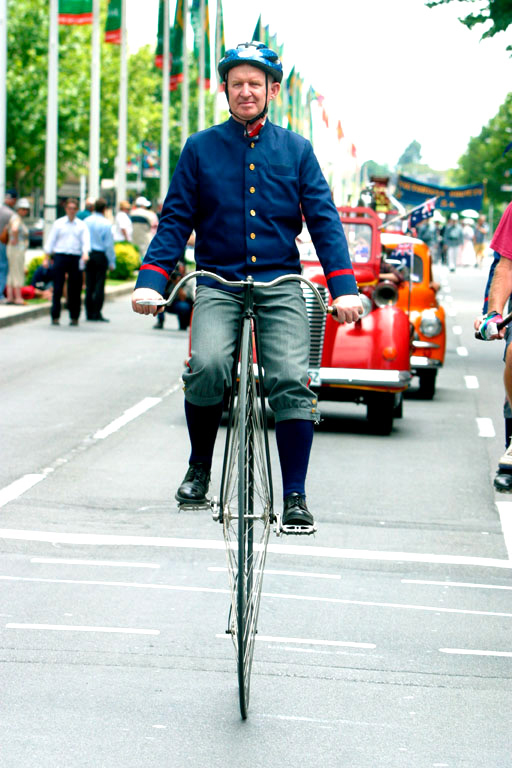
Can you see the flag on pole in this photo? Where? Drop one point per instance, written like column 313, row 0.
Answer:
column 325, row 117
column 75, row 12
column 177, row 32
column 220, row 39
column 195, row 14
column 353, row 150
column 339, row 131
column 423, row 212
column 113, row 25
column 159, row 54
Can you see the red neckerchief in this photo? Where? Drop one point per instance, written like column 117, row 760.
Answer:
column 255, row 129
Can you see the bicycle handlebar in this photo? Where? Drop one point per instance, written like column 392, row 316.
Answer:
column 506, row 320
column 237, row 284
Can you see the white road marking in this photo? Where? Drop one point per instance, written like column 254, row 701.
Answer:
column 471, row 382
column 109, row 563
column 454, row 584
column 59, row 537
column 129, row 415
column 23, row 484
column 457, row 329
column 485, row 427
column 275, row 595
column 305, row 641
column 505, row 510
column 462, row 351
column 469, row 652
column 269, row 571
column 71, row 628
column 18, row 487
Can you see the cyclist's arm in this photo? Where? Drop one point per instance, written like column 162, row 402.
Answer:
column 151, row 295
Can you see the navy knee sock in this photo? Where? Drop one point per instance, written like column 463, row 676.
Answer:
column 294, row 439
column 508, row 431
column 203, row 424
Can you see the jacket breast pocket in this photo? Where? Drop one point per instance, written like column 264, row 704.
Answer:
column 278, row 169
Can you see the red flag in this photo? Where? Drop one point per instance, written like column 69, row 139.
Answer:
column 353, row 151
column 325, row 118
column 340, row 131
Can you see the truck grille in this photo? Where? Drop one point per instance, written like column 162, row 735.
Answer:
column 316, row 324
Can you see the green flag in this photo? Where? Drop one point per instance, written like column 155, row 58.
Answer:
column 113, row 26
column 177, row 46
column 220, row 40
column 159, row 54
column 198, row 32
column 75, row 12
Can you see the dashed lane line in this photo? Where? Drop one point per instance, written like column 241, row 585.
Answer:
column 271, row 595
column 20, row 486
column 296, row 550
column 485, row 427
column 71, row 628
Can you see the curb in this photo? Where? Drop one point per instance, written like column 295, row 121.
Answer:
column 11, row 315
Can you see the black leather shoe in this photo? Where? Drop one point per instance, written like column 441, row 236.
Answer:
column 102, row 319
column 503, row 481
column 296, row 512
column 73, row 321
column 195, row 484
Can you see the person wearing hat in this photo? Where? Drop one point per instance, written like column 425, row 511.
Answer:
column 144, row 223
column 452, row 240
column 243, row 186
column 17, row 245
column 6, row 211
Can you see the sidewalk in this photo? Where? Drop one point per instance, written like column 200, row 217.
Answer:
column 11, row 314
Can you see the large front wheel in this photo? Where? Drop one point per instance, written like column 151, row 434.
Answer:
column 246, row 506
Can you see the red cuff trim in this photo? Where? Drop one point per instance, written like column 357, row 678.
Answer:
column 155, row 269
column 339, row 272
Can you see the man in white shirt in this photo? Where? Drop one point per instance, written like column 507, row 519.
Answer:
column 123, row 227
column 68, row 245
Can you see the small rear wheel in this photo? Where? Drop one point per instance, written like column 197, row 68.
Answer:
column 381, row 413
column 428, row 384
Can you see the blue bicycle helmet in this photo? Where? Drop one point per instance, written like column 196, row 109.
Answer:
column 257, row 55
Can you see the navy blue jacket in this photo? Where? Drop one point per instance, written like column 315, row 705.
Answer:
column 243, row 197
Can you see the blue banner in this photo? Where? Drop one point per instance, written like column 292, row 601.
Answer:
column 413, row 192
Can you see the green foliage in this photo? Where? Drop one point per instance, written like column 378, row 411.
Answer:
column 27, row 74
column 484, row 158
column 31, row 268
column 498, row 12
column 411, row 155
column 127, row 261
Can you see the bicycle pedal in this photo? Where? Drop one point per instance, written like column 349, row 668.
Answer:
column 293, row 530
column 298, row 530
column 192, row 506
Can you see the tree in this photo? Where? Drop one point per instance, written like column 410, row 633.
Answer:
column 486, row 157
column 498, row 12
column 27, row 97
column 411, row 155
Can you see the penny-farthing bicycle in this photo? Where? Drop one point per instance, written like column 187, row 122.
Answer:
column 245, row 507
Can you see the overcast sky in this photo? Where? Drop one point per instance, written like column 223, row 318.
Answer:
column 391, row 70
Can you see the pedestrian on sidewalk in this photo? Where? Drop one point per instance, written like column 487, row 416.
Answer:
column 6, row 211
column 102, row 257
column 481, row 232
column 122, row 228
column 68, row 245
column 17, row 244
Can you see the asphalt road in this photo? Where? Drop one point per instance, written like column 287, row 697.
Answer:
column 385, row 640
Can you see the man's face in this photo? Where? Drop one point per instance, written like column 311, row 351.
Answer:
column 247, row 91
column 10, row 201
column 71, row 210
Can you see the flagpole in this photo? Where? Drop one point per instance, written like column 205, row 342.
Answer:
column 166, row 102
column 184, row 84
column 200, row 100
column 94, row 116
column 216, row 106
column 123, row 110
column 52, row 108
column 3, row 95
